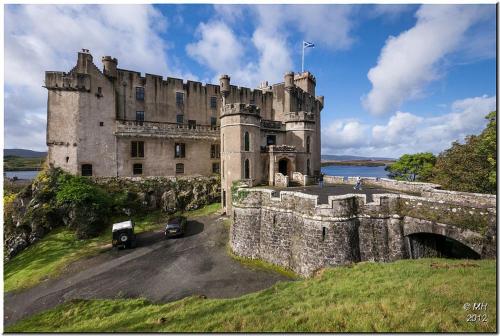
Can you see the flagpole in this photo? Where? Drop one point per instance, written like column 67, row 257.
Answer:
column 303, row 56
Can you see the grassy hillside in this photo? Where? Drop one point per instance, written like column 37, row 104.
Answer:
column 16, row 163
column 408, row 295
column 58, row 249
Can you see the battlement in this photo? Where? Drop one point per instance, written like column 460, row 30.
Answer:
column 291, row 229
column 299, row 116
column 55, row 80
column 304, row 75
column 248, row 109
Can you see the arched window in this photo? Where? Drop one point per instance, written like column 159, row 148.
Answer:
column 308, row 144
column 247, row 141
column 247, row 169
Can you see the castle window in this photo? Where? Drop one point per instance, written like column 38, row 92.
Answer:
column 101, row 123
column 137, row 168
column 139, row 115
column 324, row 233
column 213, row 122
column 271, row 140
column 215, row 151
column 139, row 93
column 179, row 168
column 179, row 98
column 213, row 102
column 308, row 167
column 86, row 169
column 192, row 124
column 180, row 150
column 247, row 169
column 216, row 167
column 308, row 144
column 137, row 149
column 247, row 141
column 180, row 119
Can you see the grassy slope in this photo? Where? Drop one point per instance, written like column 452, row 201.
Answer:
column 408, row 295
column 58, row 249
column 19, row 163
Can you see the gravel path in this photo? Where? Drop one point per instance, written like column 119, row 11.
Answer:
column 158, row 269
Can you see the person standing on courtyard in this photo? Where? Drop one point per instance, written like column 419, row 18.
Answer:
column 358, row 183
column 320, row 180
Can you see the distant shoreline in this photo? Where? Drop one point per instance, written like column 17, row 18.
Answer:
column 365, row 163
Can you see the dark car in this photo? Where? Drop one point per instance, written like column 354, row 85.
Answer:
column 123, row 235
column 176, row 227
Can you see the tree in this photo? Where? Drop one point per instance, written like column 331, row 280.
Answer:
column 412, row 167
column 470, row 166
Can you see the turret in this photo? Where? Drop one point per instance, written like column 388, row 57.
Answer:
column 321, row 100
column 306, row 81
column 224, row 87
column 84, row 59
column 289, row 80
column 109, row 64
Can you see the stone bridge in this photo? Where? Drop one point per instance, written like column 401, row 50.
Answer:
column 292, row 230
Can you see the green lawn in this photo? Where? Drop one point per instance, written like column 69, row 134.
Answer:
column 50, row 256
column 408, row 295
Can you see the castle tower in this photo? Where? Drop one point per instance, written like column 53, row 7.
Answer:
column 109, row 66
column 240, row 145
column 306, row 81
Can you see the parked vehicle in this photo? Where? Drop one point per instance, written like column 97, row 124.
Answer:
column 123, row 235
column 176, row 227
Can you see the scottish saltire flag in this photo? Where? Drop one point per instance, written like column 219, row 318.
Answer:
column 307, row 44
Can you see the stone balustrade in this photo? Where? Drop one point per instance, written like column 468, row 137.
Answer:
column 166, row 130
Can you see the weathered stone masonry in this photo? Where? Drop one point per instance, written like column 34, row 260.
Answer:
column 291, row 230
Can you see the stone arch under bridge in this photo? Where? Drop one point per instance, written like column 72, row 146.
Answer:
column 425, row 238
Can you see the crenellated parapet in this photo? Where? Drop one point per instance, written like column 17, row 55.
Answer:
column 73, row 81
column 293, row 230
column 240, row 109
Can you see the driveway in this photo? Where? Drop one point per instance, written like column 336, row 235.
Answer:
column 158, row 269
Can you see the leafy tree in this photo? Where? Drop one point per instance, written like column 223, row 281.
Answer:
column 470, row 166
column 412, row 167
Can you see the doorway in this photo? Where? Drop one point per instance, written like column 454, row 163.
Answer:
column 283, row 166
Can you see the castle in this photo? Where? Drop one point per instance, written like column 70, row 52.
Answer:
column 115, row 122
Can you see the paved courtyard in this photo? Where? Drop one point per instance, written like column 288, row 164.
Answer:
column 339, row 189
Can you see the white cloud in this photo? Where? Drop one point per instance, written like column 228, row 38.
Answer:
column 47, row 37
column 223, row 50
column 327, row 26
column 413, row 59
column 408, row 133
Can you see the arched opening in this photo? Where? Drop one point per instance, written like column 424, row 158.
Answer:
column 431, row 245
column 283, row 166
column 247, row 141
column 247, row 169
column 308, row 144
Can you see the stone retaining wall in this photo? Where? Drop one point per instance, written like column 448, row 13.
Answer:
column 290, row 229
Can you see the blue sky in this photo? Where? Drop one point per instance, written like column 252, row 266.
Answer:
column 396, row 78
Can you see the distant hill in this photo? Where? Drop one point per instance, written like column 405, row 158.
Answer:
column 24, row 153
column 351, row 158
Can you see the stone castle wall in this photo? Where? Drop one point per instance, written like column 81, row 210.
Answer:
column 291, row 230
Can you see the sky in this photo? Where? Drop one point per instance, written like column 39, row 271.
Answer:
column 396, row 78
